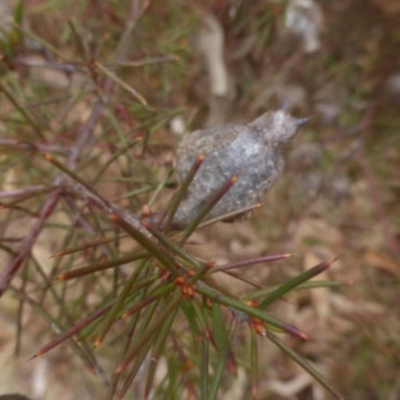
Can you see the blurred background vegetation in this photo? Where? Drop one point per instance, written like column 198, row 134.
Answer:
column 143, row 72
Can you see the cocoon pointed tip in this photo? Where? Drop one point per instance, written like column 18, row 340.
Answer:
column 302, row 121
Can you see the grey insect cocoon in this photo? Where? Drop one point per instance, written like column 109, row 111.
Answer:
column 250, row 151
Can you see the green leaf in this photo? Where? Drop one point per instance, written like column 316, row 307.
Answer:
column 304, row 364
column 294, row 282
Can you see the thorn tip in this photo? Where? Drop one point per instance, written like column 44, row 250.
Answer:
column 302, row 121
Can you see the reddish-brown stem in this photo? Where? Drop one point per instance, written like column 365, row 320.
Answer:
column 33, row 147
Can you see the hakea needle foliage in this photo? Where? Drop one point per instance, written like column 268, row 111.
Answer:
column 163, row 291
column 159, row 302
column 156, row 308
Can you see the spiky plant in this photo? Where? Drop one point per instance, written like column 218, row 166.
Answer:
column 83, row 176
